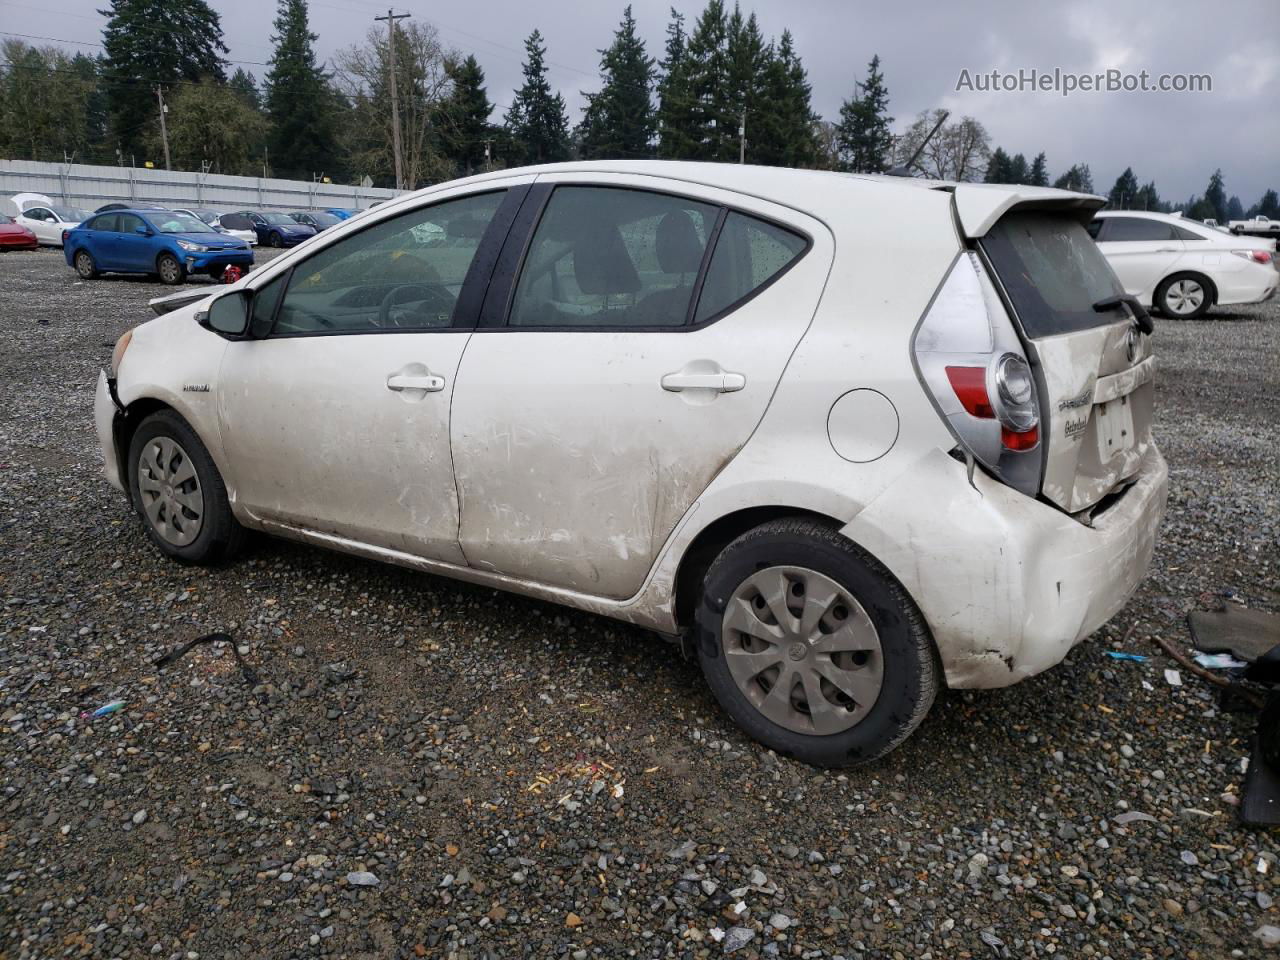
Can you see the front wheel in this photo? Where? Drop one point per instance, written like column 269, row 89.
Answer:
column 85, row 266
column 812, row 648
column 1184, row 296
column 179, row 493
column 170, row 269
column 276, row 240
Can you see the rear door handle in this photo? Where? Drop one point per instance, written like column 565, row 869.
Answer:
column 1167, row 250
column 429, row 383
column 721, row 382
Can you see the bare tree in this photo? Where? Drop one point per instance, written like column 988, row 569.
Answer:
column 422, row 85
column 958, row 151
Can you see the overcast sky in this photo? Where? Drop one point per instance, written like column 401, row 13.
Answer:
column 1177, row 139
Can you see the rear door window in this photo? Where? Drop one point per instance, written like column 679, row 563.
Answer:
column 1052, row 271
column 1134, row 229
column 106, row 221
column 749, row 255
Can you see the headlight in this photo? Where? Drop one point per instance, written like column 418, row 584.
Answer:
column 192, row 247
column 118, row 353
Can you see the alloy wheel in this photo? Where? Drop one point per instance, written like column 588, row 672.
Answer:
column 169, row 488
column 1184, row 296
column 802, row 650
column 169, row 270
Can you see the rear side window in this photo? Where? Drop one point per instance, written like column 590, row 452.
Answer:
column 1052, row 271
column 1182, row 234
column 1122, row 229
column 610, row 257
column 749, row 254
column 107, row 221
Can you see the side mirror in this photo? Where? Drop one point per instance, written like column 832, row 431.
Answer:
column 142, row 231
column 228, row 315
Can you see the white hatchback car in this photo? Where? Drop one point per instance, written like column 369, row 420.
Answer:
column 1181, row 267
column 846, row 459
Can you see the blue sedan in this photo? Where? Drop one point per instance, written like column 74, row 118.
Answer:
column 278, row 229
column 171, row 245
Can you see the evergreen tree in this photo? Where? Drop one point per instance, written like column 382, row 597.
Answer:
column 999, row 167
column 299, row 100
column 245, row 86
column 1018, row 170
column 743, row 102
column 1268, row 206
column 536, row 119
column 783, row 129
column 1147, row 198
column 619, row 121
column 464, row 122
column 675, row 97
column 1215, row 195
column 863, row 132
column 1235, row 210
column 1124, row 194
column 154, row 42
column 1039, row 175
column 1078, row 178
column 711, row 128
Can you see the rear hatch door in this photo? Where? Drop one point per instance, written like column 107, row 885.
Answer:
column 1094, row 369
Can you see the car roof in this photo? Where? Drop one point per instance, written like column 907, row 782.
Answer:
column 1146, row 215
column 978, row 205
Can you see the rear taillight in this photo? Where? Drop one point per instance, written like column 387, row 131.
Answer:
column 973, row 364
column 1257, row 256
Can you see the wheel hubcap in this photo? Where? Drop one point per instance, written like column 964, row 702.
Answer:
column 170, row 491
column 169, row 269
column 1185, row 296
column 802, row 650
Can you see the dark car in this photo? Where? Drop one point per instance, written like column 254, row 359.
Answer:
column 278, row 229
column 319, row 221
column 14, row 236
column 121, row 205
column 163, row 242
column 342, row 213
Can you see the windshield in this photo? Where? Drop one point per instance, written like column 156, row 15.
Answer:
column 208, row 216
column 279, row 218
column 71, row 214
column 325, row 219
column 1053, row 272
column 179, row 223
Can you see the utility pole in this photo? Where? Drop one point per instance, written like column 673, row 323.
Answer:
column 164, row 129
column 742, row 137
column 391, row 19
column 487, row 154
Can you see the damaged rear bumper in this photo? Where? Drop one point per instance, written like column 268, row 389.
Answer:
column 1008, row 585
column 105, row 412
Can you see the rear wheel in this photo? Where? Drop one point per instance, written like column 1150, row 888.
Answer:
column 179, row 493
column 85, row 266
column 1184, row 296
column 812, row 648
column 170, row 269
column 276, row 240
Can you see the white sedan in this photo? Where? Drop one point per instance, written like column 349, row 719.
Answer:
column 1181, row 267
column 49, row 221
column 846, row 462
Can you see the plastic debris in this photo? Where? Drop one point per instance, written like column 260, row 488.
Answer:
column 1219, row 661
column 1129, row 816
column 1120, row 655
column 1173, row 678
column 115, row 706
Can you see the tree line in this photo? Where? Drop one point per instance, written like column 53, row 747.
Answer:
column 721, row 91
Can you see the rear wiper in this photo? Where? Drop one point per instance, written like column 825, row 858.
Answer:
column 1140, row 315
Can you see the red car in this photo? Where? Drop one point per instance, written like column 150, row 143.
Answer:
column 13, row 236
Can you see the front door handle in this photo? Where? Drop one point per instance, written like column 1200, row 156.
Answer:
column 720, row 382
column 428, row 383
column 1167, row 250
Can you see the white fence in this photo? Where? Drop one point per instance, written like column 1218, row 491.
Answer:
column 82, row 185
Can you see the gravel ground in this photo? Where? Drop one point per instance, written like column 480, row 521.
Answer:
column 422, row 768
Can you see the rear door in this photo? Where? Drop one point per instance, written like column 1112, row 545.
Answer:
column 42, row 222
column 625, row 363
column 1142, row 252
column 1093, row 368
column 132, row 250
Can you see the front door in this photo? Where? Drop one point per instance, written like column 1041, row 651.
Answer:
column 336, row 419
column 644, row 338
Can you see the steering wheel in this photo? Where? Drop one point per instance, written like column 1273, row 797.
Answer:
column 435, row 300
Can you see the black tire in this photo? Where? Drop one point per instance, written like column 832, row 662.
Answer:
column 275, row 240
column 911, row 671
column 1165, row 302
column 85, row 266
column 221, row 536
column 1269, row 732
column 170, row 269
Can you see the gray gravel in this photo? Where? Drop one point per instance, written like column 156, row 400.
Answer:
column 429, row 769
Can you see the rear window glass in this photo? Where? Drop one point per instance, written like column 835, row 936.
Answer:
column 1053, row 273
column 107, row 221
column 749, row 254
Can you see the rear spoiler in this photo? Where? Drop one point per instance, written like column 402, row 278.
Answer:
column 979, row 205
column 184, row 298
